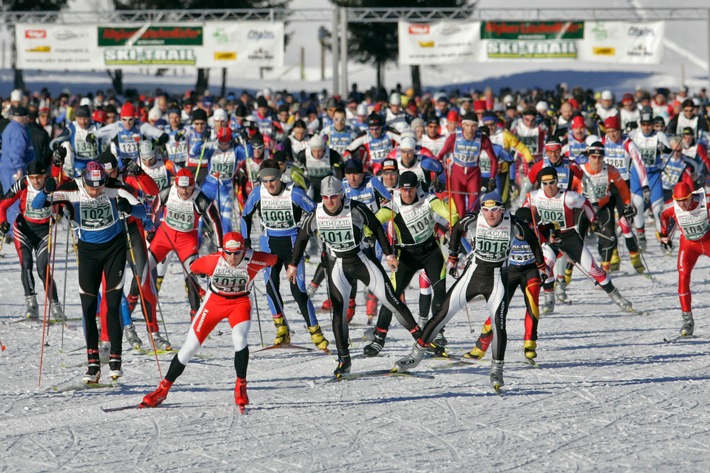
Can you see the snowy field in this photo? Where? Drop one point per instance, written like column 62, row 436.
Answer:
column 609, row 394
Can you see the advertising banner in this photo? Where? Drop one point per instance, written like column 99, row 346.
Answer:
column 212, row 44
column 459, row 42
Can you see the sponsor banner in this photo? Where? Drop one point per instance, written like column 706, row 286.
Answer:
column 212, row 44
column 457, row 42
column 444, row 42
column 623, row 42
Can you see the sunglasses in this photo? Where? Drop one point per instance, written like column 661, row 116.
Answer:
column 232, row 253
column 269, row 181
column 330, row 197
column 127, row 119
column 549, row 183
column 495, row 208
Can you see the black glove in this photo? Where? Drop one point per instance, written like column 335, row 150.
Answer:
column 56, row 145
column 179, row 136
column 491, row 184
column 666, row 242
column 247, row 243
column 123, row 205
column 452, row 266
column 629, row 212
column 646, row 196
column 59, row 155
column 205, row 136
column 133, row 168
column 4, row 228
column 245, row 135
column 50, row 185
column 149, row 236
column 91, row 138
column 164, row 138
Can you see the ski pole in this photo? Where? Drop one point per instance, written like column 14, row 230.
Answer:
column 64, row 293
column 132, row 262
column 258, row 319
column 50, row 242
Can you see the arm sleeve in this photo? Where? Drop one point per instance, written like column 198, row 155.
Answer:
column 308, row 228
column 635, row 156
column 375, row 227
column 488, row 147
column 448, row 146
column 512, row 141
column 459, row 231
column 524, row 232
column 205, row 265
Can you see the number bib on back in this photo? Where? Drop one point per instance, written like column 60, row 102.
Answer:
column 277, row 210
column 418, row 218
column 180, row 214
column 229, row 280
column 694, row 223
column 35, row 214
column 596, row 186
column 492, row 243
column 337, row 230
column 95, row 214
column 223, row 165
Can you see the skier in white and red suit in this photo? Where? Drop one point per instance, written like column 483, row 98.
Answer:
column 184, row 205
column 465, row 147
column 232, row 274
column 554, row 206
column 690, row 211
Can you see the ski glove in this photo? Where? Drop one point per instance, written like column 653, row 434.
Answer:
column 491, row 185
column 646, row 196
column 133, row 168
column 123, row 205
column 91, row 138
column 4, row 228
column 666, row 242
column 452, row 266
column 162, row 139
column 629, row 212
column 50, row 185
column 180, row 135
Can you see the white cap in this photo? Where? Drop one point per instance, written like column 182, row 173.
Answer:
column 316, row 142
column 362, row 109
column 408, row 133
column 86, row 101
column 508, row 99
column 331, row 185
column 146, row 149
column 395, row 99
column 416, row 123
column 542, row 106
column 220, row 114
column 591, row 139
column 407, row 143
column 16, row 95
column 155, row 114
column 266, row 92
column 607, row 95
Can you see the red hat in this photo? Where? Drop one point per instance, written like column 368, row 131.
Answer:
column 453, row 116
column 128, row 110
column 612, row 123
column 233, row 241
column 578, row 122
column 682, row 191
column 99, row 116
column 224, row 134
column 479, row 106
column 627, row 98
column 184, row 178
column 574, row 103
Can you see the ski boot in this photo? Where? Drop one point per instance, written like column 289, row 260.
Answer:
column 161, row 343
column 351, row 310
column 93, row 372
column 317, row 337
column 132, row 337
column 57, row 312
column 344, row 365
column 158, row 284
column 568, row 274
column 623, row 303
column 240, row 394
column 475, row 354
column 548, row 306
column 615, row 262
column 529, row 347
column 374, row 348
column 440, row 339
column 497, row 374
column 437, row 351
column 411, row 360
column 32, row 310
column 283, row 335
column 311, row 289
column 560, row 292
column 104, row 350
column 606, row 266
column 688, row 324
column 114, row 364
column 641, row 239
column 636, row 261
column 157, row 397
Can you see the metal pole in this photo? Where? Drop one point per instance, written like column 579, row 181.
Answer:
column 344, row 52
column 334, row 48
column 708, row 49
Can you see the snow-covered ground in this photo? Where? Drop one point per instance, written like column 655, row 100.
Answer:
column 609, row 395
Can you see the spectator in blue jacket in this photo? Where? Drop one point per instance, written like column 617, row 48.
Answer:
column 17, row 153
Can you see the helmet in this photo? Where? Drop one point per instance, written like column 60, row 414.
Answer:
column 94, row 174
column 682, row 191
